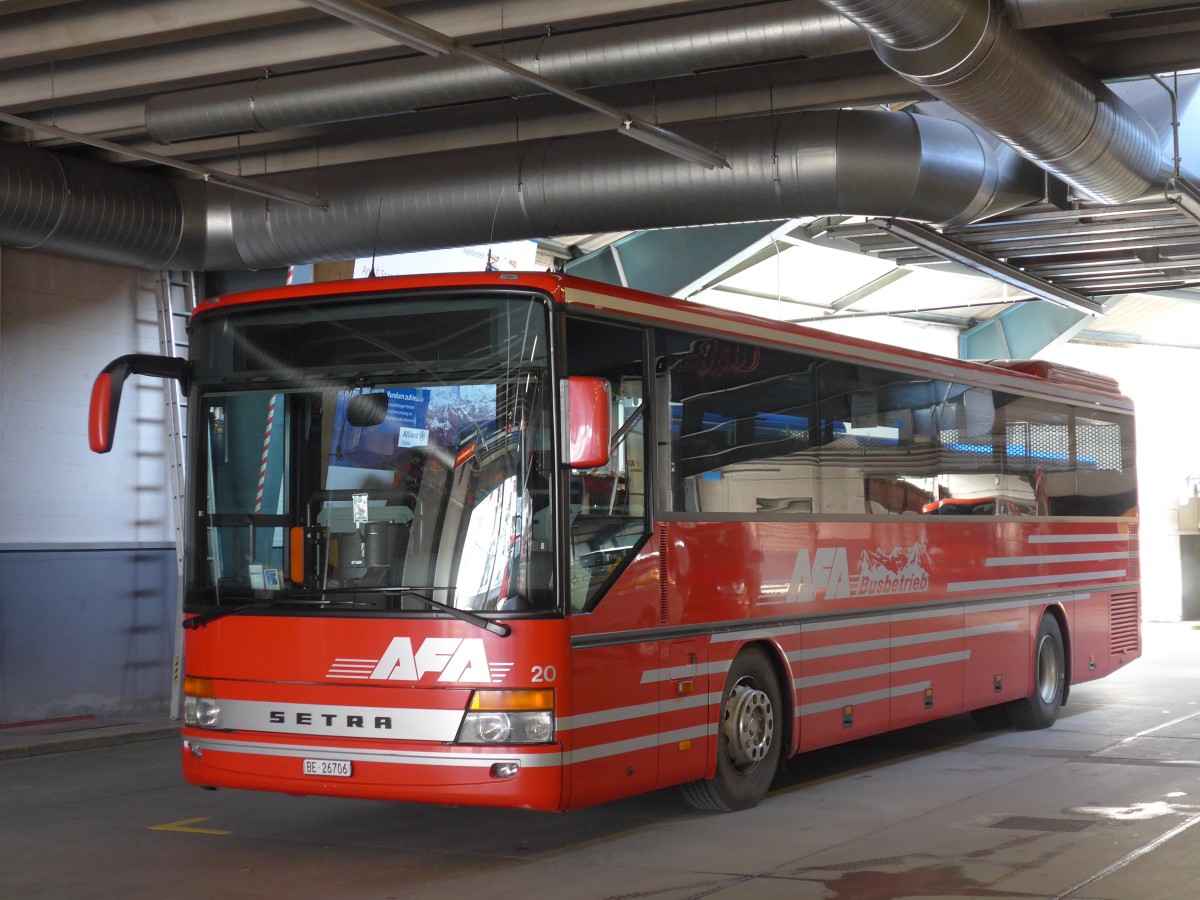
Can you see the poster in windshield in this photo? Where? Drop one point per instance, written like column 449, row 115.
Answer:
column 429, row 420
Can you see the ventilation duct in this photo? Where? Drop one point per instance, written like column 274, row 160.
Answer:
column 663, row 48
column 650, row 50
column 782, row 167
column 60, row 203
column 1034, row 97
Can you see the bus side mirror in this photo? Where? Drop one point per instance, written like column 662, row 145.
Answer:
column 589, row 421
column 106, row 392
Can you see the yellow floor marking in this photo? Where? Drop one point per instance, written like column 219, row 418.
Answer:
column 183, row 826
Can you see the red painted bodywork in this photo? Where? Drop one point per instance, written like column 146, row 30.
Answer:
column 634, row 714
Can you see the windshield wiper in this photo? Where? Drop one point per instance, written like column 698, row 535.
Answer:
column 499, row 628
column 204, row 618
column 309, row 599
column 471, row 618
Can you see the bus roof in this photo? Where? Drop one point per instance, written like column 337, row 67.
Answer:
column 1035, row 377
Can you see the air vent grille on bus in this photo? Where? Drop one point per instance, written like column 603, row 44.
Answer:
column 1135, row 558
column 1123, row 623
column 1101, row 442
column 662, row 574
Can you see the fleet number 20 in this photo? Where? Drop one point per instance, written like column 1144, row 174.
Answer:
column 544, row 674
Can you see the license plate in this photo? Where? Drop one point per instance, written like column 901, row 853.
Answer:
column 327, row 768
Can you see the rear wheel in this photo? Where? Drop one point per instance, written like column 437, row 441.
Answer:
column 1049, row 679
column 748, row 738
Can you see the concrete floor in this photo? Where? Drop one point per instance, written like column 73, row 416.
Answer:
column 1101, row 807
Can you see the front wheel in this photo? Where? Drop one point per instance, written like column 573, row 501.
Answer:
column 1049, row 679
column 748, row 738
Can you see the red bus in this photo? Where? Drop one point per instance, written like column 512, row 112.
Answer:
column 528, row 540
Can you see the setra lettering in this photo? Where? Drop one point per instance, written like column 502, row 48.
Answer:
column 330, row 720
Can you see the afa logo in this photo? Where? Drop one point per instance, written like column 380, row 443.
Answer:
column 453, row 660
column 902, row 571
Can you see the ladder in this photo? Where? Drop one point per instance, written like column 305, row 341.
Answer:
column 176, row 298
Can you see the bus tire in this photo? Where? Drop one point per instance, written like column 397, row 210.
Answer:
column 1040, row 709
column 749, row 738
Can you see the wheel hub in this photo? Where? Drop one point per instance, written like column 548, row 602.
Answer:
column 749, row 725
column 1047, row 670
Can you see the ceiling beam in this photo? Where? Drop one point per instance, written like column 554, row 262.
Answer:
column 672, row 261
column 866, row 290
column 434, row 43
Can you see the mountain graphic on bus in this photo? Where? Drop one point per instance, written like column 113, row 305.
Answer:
column 904, row 569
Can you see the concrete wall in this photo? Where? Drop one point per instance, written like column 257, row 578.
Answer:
column 87, row 566
column 86, row 630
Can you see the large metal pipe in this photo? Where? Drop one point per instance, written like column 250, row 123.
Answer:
column 1033, row 96
column 664, row 48
column 647, row 51
column 60, row 203
column 782, row 167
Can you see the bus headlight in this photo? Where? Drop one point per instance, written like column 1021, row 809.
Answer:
column 201, row 709
column 508, row 717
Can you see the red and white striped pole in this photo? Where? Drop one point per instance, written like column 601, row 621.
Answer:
column 262, row 469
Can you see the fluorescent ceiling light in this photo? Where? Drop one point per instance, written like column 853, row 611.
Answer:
column 669, row 142
column 935, row 242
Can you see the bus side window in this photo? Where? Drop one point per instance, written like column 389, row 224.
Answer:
column 1106, row 477
column 741, row 424
column 1063, row 461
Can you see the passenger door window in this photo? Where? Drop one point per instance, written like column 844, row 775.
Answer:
column 607, row 504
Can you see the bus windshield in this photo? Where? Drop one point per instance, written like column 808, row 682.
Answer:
column 379, row 456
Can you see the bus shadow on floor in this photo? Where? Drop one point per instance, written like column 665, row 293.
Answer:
column 503, row 837
column 881, row 750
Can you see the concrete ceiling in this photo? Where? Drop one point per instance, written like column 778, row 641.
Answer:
column 92, row 67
